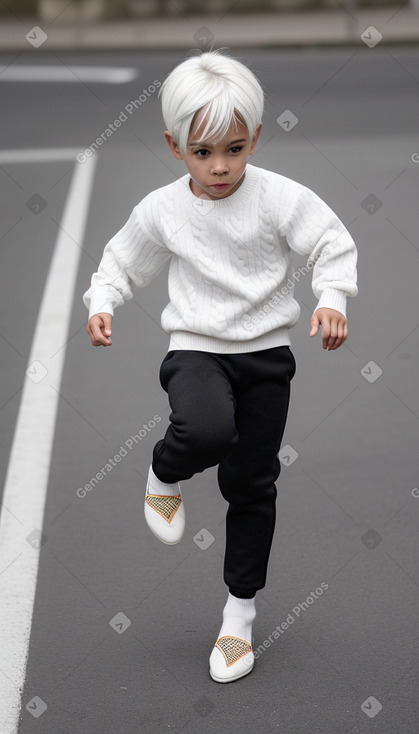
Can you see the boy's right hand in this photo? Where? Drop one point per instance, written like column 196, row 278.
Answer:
column 99, row 328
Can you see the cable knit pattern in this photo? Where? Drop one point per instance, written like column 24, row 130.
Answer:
column 231, row 281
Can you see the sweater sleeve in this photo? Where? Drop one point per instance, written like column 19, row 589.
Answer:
column 312, row 228
column 132, row 257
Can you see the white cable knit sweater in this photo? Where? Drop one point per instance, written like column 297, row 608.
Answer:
column 231, row 280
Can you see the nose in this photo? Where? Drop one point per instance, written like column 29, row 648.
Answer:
column 219, row 166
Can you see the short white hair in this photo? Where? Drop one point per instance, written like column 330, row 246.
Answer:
column 225, row 87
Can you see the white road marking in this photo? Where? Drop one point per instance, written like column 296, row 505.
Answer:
column 93, row 74
column 25, row 489
column 38, row 155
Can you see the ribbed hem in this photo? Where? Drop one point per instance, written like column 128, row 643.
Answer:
column 203, row 343
column 333, row 298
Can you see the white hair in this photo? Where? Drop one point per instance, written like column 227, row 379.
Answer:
column 226, row 88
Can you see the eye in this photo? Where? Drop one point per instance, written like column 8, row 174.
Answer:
column 201, row 150
column 236, row 148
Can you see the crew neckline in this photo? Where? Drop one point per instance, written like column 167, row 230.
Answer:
column 248, row 184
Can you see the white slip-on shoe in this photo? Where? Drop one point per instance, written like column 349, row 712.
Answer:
column 165, row 516
column 231, row 658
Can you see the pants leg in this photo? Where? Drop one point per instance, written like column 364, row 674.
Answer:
column 202, row 430
column 230, row 410
column 247, row 474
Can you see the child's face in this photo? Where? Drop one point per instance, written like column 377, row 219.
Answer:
column 216, row 169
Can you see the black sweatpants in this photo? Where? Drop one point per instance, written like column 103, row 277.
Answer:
column 230, row 410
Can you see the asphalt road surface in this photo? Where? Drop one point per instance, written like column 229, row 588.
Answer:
column 122, row 625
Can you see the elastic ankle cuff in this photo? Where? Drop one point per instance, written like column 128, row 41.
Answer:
column 242, row 594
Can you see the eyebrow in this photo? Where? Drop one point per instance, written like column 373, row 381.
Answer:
column 206, row 145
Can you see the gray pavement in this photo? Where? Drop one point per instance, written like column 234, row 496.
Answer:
column 347, row 660
column 369, row 26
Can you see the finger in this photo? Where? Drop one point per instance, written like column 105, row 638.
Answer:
column 342, row 330
column 90, row 332
column 106, row 341
column 106, row 328
column 314, row 325
column 98, row 338
column 107, row 323
column 339, row 342
column 106, row 336
column 325, row 332
column 333, row 336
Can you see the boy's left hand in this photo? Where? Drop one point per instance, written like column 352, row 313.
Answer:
column 334, row 327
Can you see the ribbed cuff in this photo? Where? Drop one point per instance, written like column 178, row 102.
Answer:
column 242, row 594
column 333, row 298
column 98, row 305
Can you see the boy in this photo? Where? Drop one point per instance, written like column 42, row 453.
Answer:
column 229, row 229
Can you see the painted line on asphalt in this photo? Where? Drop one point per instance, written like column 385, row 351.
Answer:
column 25, row 489
column 38, row 155
column 92, row 74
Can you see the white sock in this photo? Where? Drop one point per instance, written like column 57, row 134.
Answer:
column 238, row 617
column 155, row 486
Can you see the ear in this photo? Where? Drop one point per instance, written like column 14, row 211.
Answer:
column 174, row 147
column 255, row 139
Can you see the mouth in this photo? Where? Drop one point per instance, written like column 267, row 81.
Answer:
column 220, row 187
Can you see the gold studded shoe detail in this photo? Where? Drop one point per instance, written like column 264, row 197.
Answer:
column 164, row 513
column 231, row 658
column 233, row 648
column 164, row 505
